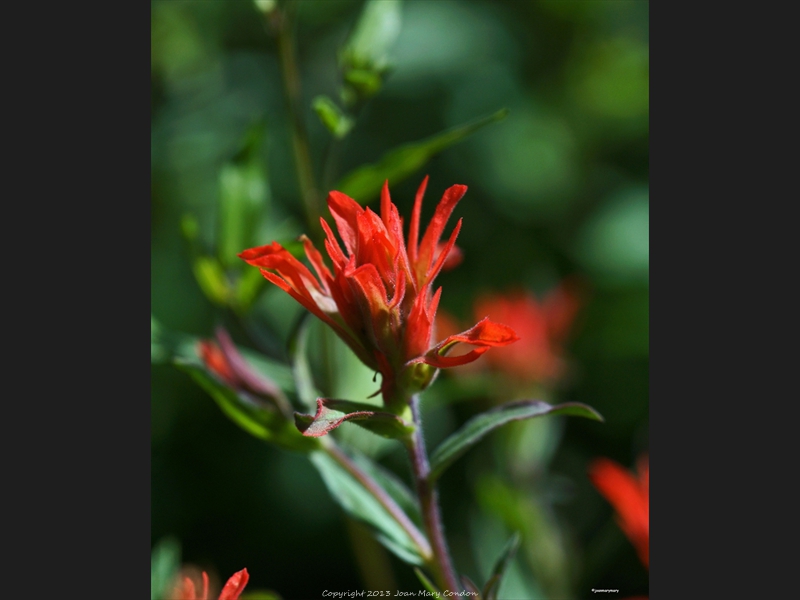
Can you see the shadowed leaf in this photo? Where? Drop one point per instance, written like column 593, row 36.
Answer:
column 501, row 566
column 255, row 418
column 427, row 583
column 476, row 428
column 365, row 182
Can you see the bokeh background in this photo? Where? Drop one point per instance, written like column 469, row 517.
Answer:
column 558, row 189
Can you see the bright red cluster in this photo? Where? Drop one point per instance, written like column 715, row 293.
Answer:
column 630, row 497
column 542, row 327
column 379, row 296
column 234, row 587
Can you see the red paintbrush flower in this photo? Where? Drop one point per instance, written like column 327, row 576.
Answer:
column 542, row 327
column 630, row 497
column 186, row 589
column 379, row 296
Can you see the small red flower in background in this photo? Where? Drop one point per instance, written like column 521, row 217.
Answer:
column 234, row 587
column 542, row 327
column 630, row 497
column 379, row 297
column 223, row 359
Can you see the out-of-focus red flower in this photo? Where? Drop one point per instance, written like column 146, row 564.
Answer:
column 222, row 358
column 542, row 327
column 186, row 589
column 630, row 497
column 379, row 296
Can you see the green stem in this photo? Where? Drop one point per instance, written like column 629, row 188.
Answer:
column 291, row 87
column 429, row 502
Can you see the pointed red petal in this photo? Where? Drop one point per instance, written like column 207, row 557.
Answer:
column 345, row 212
column 205, row 586
column 436, row 227
column 315, row 258
column 332, row 246
column 235, row 585
column 413, row 232
column 443, row 254
column 629, row 499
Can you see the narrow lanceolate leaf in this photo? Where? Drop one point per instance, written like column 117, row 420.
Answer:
column 259, row 420
column 501, row 566
column 332, row 413
column 365, row 182
column 359, row 503
column 476, row 428
column 391, row 484
column 301, row 370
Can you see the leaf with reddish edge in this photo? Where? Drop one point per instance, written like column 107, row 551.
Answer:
column 492, row 587
column 332, row 413
column 479, row 426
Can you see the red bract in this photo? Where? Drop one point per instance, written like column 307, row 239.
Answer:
column 630, row 497
column 379, row 295
column 234, row 587
column 542, row 327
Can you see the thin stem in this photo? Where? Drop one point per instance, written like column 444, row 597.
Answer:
column 300, row 145
column 429, row 501
column 382, row 497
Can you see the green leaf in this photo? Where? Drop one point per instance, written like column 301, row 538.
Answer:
column 211, row 277
column 247, row 287
column 365, row 182
column 427, row 583
column 165, row 563
column 362, row 505
column 374, row 34
column 493, row 585
column 166, row 345
column 470, row 586
column 477, row 427
column 338, row 123
column 332, row 413
column 391, row 484
column 258, row 420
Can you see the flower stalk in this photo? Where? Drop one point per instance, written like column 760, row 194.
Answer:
column 429, row 502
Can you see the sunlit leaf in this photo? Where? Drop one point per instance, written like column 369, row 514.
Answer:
column 391, row 484
column 492, row 587
column 333, row 413
column 365, row 182
column 338, row 123
column 479, row 426
column 211, row 277
column 359, row 503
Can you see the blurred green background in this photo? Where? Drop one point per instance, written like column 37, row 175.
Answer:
column 558, row 188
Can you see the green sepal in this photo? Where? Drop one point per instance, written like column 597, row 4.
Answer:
column 365, row 182
column 479, row 426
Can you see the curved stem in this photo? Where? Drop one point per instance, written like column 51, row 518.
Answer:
column 382, row 497
column 429, row 502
